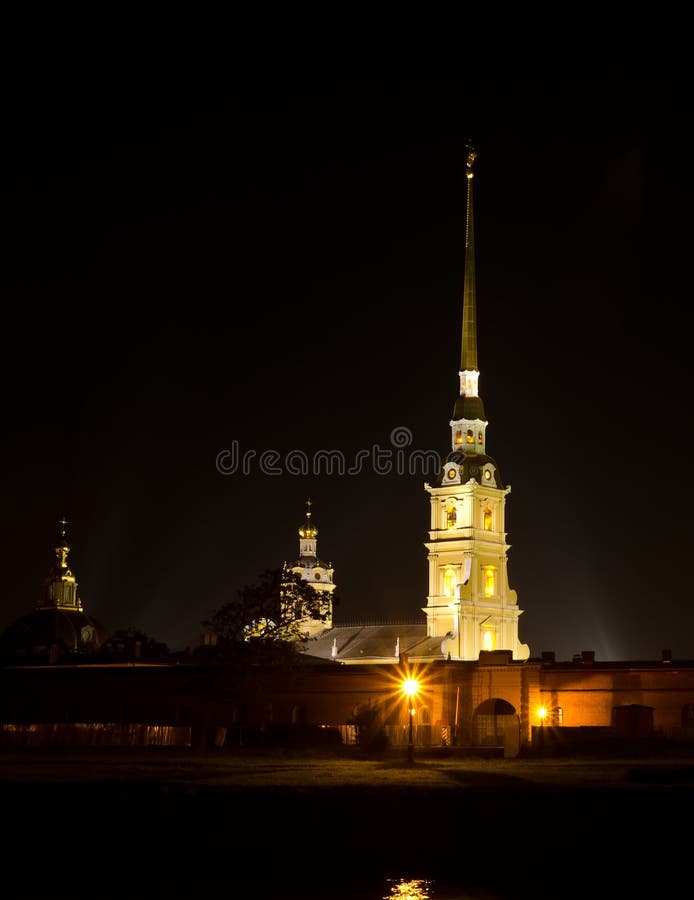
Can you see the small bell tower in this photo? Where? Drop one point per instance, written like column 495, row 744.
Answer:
column 61, row 585
column 314, row 571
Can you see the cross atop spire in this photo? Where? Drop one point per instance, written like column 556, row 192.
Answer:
column 308, row 530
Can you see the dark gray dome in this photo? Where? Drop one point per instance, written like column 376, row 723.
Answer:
column 471, row 465
column 51, row 635
column 470, row 408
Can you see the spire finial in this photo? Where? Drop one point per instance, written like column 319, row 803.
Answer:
column 471, row 157
column 468, row 356
column 63, row 548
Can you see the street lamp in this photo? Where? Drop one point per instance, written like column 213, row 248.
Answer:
column 542, row 715
column 410, row 686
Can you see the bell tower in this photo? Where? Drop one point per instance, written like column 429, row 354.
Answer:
column 61, row 584
column 311, row 569
column 470, row 605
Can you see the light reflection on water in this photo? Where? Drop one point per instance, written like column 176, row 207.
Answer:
column 404, row 889
column 428, row 889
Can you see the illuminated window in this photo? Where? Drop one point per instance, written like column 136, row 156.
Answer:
column 451, row 517
column 470, row 437
column 487, row 519
column 449, row 581
column 479, row 437
column 459, row 436
column 489, row 573
column 487, row 640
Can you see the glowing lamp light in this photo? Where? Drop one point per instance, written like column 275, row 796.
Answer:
column 410, row 686
column 542, row 713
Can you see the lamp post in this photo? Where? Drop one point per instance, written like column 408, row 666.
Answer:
column 542, row 715
column 410, row 687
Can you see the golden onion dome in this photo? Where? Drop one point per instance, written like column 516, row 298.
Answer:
column 308, row 530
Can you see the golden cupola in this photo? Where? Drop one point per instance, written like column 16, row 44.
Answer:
column 61, row 584
column 308, row 531
column 58, row 629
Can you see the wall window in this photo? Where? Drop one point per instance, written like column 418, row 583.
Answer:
column 489, row 576
column 451, row 516
column 487, row 519
column 449, row 579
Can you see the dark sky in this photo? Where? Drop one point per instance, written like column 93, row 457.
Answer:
column 263, row 248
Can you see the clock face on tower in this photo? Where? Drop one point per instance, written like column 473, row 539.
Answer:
column 451, row 474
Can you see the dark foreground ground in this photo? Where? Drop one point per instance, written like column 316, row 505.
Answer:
column 153, row 824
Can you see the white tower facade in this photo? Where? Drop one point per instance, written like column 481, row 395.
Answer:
column 315, row 572
column 470, row 605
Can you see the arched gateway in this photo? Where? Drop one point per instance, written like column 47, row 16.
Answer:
column 493, row 722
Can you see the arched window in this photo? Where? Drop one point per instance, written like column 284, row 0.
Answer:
column 487, row 519
column 487, row 639
column 489, row 580
column 480, row 439
column 449, row 581
column 458, row 436
column 470, row 437
column 451, row 516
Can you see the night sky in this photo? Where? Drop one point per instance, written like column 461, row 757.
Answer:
column 264, row 248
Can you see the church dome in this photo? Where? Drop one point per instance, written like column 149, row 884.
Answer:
column 58, row 629
column 49, row 636
column 468, row 408
column 470, row 465
column 308, row 530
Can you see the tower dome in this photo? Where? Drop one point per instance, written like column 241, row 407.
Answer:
column 58, row 629
column 314, row 571
column 308, row 530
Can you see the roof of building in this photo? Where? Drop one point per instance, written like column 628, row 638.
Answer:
column 369, row 643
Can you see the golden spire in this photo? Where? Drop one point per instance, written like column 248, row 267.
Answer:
column 61, row 584
column 62, row 548
column 308, row 530
column 468, row 356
